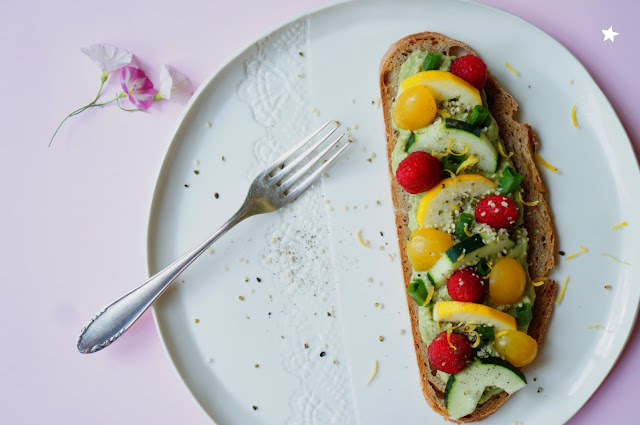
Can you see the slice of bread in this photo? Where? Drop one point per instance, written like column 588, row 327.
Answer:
column 517, row 138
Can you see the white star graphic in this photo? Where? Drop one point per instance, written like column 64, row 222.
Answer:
column 609, row 34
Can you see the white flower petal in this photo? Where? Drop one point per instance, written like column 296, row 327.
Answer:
column 175, row 85
column 108, row 57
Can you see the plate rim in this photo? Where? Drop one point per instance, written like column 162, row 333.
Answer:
column 173, row 145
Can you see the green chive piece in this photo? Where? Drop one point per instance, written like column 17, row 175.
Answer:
column 432, row 61
column 510, row 181
column 524, row 315
column 418, row 291
column 478, row 116
column 483, row 268
column 486, row 333
column 463, row 220
column 452, row 162
column 411, row 141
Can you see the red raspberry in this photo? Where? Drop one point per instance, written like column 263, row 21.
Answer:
column 418, row 172
column 471, row 69
column 497, row 211
column 465, row 285
column 442, row 355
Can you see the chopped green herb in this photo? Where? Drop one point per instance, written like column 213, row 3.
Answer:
column 432, row 61
column 196, row 171
column 463, row 220
column 255, row 407
column 411, row 141
column 486, row 333
column 524, row 315
column 452, row 162
column 418, row 291
column 479, row 116
column 301, row 54
column 483, row 268
column 510, row 181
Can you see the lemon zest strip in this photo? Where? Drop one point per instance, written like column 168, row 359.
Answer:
column 443, row 113
column 620, row 225
column 461, row 256
column 539, row 281
column 375, row 371
column 564, row 288
column 449, row 332
column 466, row 149
column 455, row 207
column 466, row 231
column 529, row 204
column 477, row 342
column 573, row 117
column 593, row 327
column 577, row 253
column 615, row 259
column 501, row 333
column 450, row 172
column 502, row 152
column 364, row 243
column 545, row 164
column 432, row 289
column 510, row 68
column 437, row 155
column 472, row 160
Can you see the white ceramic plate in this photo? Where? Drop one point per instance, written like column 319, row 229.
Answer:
column 318, row 285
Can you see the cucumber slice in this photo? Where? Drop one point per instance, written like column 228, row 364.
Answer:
column 462, row 125
column 445, row 266
column 465, row 388
column 463, row 248
column 436, row 137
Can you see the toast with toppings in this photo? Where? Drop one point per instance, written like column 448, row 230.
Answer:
column 472, row 218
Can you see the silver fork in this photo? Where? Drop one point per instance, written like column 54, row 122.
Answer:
column 274, row 188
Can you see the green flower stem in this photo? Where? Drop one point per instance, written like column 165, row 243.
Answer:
column 84, row 108
column 124, row 109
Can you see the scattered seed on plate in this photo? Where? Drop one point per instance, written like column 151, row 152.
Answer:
column 196, row 320
column 402, row 331
column 381, row 338
column 241, row 298
column 207, row 124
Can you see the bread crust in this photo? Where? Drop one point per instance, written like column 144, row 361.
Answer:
column 519, row 139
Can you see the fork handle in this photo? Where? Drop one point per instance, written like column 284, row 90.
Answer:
column 113, row 320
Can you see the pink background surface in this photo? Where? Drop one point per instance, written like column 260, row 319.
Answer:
column 74, row 217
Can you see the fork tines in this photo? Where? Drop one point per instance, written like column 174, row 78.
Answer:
column 293, row 173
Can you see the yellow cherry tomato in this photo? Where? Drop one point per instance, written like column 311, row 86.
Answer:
column 426, row 246
column 517, row 347
column 414, row 108
column 507, row 281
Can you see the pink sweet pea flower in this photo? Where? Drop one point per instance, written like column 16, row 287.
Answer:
column 140, row 89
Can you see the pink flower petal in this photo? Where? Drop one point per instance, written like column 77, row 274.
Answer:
column 135, row 83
